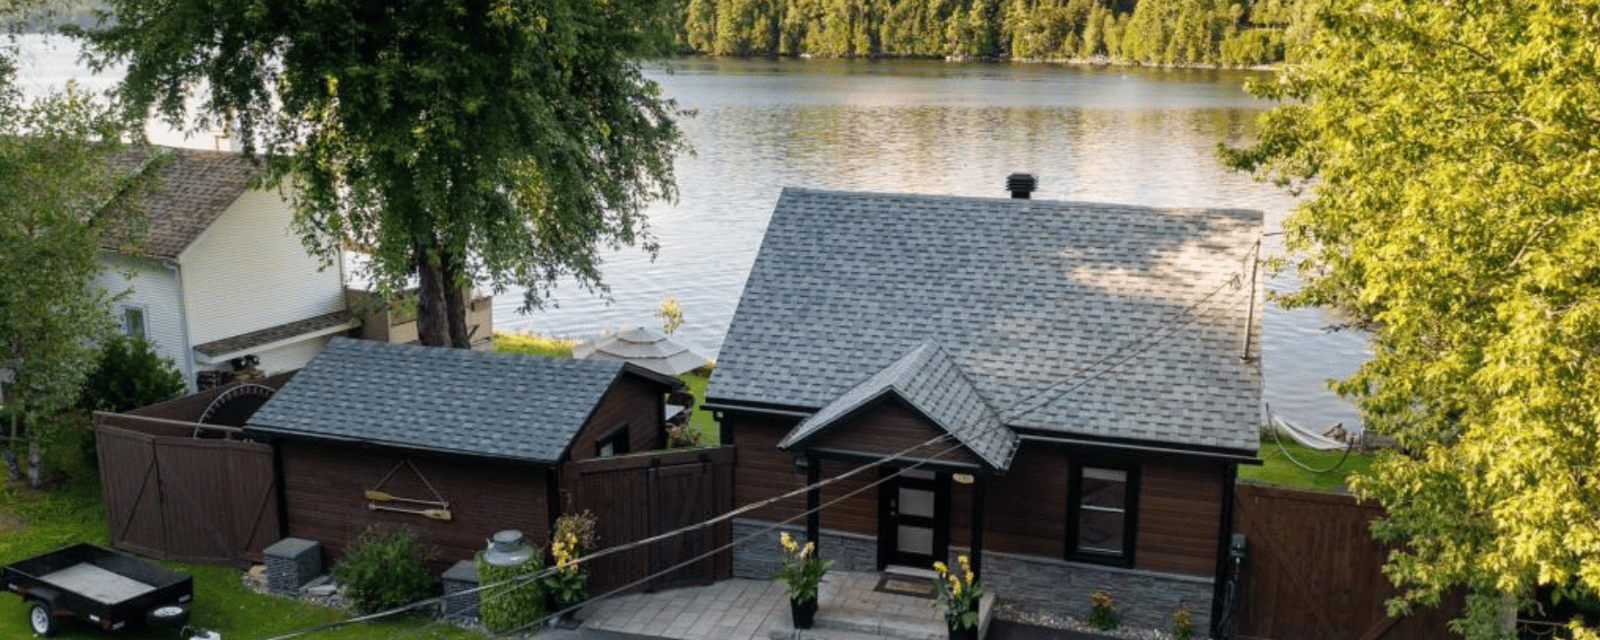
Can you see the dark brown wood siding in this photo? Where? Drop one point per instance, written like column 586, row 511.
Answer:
column 856, row 513
column 890, row 428
column 324, row 485
column 1025, row 511
column 1180, row 506
column 631, row 401
column 764, row 471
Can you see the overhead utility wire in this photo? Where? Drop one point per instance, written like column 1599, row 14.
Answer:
column 632, row 545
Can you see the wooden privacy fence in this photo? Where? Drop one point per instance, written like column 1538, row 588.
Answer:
column 175, row 496
column 1314, row 572
column 640, row 496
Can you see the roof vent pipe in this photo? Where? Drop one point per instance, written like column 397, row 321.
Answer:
column 1021, row 185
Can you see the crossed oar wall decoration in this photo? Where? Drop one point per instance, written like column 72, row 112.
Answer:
column 377, row 498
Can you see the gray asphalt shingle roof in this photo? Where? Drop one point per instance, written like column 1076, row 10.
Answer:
column 196, row 187
column 498, row 405
column 930, row 381
column 1108, row 321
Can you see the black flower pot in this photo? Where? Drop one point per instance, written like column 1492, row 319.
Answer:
column 969, row 633
column 804, row 613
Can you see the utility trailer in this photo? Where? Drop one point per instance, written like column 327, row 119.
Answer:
column 107, row 588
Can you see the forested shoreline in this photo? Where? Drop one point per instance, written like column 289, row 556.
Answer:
column 1177, row 32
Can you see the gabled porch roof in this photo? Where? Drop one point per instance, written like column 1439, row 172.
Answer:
column 929, row 381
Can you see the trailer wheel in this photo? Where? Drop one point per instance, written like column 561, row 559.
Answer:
column 40, row 619
column 171, row 616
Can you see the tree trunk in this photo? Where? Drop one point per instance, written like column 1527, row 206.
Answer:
column 35, row 463
column 433, row 315
column 456, row 306
column 12, row 471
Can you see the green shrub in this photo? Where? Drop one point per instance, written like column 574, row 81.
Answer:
column 1102, row 610
column 383, row 569
column 130, row 375
column 515, row 604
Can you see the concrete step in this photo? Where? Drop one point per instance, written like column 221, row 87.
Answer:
column 850, row 624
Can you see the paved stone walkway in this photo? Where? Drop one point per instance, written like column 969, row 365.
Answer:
column 744, row 609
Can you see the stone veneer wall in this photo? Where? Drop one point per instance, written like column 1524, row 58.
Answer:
column 1030, row 583
column 758, row 557
column 1144, row 598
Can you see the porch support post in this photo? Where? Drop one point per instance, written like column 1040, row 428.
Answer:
column 813, row 499
column 978, row 483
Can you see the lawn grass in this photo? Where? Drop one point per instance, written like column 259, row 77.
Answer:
column 533, row 344
column 701, row 420
column 38, row 521
column 1276, row 468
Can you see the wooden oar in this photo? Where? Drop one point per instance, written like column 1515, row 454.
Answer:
column 373, row 494
column 436, row 514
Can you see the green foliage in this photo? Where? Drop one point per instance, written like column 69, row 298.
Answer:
column 533, row 345
column 1181, row 623
column 572, row 537
column 1450, row 151
column 383, row 568
column 513, row 596
column 802, row 569
column 61, row 200
column 1102, row 610
column 701, row 420
column 1152, row 31
column 460, row 142
column 671, row 314
column 128, row 375
column 959, row 593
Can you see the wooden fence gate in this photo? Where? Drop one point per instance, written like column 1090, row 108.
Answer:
column 171, row 495
column 640, row 496
column 1313, row 571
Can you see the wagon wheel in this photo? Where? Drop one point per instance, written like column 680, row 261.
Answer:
column 40, row 619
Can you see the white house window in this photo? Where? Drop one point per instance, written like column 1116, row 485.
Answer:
column 133, row 322
column 1102, row 513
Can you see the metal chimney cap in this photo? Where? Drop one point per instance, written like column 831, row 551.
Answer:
column 1021, row 185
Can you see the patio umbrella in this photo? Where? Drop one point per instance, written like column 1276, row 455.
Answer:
column 644, row 347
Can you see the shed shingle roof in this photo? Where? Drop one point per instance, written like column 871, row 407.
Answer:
column 1107, row 321
column 495, row 405
column 196, row 187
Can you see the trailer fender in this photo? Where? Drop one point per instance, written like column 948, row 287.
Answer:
column 47, row 595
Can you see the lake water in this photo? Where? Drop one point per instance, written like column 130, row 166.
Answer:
column 1102, row 134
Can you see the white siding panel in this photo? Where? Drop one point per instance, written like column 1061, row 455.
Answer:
column 155, row 288
column 249, row 272
column 290, row 356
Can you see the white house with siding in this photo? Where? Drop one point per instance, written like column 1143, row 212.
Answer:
column 220, row 275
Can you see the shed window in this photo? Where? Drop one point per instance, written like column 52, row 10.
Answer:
column 612, row 444
column 1103, row 513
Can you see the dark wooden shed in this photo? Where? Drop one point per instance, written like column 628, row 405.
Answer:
column 453, row 444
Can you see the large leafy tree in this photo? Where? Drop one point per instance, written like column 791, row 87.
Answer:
column 60, row 199
column 456, row 141
column 1452, row 154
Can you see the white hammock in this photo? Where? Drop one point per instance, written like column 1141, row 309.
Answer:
column 1308, row 438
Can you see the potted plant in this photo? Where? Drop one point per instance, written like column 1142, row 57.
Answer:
column 567, row 583
column 959, row 594
column 802, row 570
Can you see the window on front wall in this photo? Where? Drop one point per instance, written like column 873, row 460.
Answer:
column 133, row 322
column 1102, row 513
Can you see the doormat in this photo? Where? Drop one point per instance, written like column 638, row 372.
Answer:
column 902, row 585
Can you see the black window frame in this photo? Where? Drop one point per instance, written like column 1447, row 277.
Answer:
column 1130, row 521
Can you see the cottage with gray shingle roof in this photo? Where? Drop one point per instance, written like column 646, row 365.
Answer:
column 220, row 275
column 453, row 443
column 1060, row 389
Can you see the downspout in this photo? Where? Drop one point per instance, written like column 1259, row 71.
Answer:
column 189, row 378
column 1230, row 476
